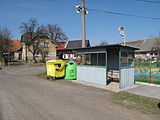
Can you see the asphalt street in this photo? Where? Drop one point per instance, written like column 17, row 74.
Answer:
column 23, row 96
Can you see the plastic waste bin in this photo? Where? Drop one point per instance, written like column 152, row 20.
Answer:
column 55, row 68
column 71, row 70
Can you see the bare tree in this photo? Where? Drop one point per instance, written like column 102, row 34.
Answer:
column 103, row 43
column 53, row 32
column 32, row 34
column 29, row 31
column 5, row 44
column 41, row 48
column 56, row 34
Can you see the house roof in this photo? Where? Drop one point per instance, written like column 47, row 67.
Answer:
column 145, row 45
column 76, row 44
column 16, row 45
column 61, row 47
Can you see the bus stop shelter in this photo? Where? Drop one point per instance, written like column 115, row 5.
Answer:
column 104, row 64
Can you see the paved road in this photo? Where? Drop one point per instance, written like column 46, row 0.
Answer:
column 23, row 96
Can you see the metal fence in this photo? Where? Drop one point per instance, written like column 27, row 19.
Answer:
column 147, row 71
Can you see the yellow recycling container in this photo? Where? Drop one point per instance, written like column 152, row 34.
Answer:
column 55, row 68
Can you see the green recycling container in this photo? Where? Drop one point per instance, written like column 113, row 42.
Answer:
column 71, row 70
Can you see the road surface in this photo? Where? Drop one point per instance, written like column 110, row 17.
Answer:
column 23, row 96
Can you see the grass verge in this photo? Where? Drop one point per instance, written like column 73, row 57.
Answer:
column 155, row 80
column 141, row 103
column 35, row 64
column 42, row 75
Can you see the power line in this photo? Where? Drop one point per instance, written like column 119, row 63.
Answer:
column 150, row 1
column 123, row 14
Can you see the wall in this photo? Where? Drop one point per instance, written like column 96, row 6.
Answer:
column 126, row 77
column 92, row 74
column 51, row 49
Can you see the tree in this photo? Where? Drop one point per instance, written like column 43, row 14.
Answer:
column 156, row 47
column 56, row 34
column 103, row 43
column 29, row 31
column 40, row 42
column 5, row 44
column 32, row 33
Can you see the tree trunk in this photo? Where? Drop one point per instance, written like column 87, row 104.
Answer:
column 26, row 52
column 34, row 58
column 1, row 61
column 43, row 57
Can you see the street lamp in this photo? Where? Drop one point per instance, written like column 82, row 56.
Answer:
column 122, row 33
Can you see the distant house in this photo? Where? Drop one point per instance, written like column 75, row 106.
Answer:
column 16, row 50
column 68, row 48
column 46, row 49
column 61, row 45
column 76, row 44
column 146, row 47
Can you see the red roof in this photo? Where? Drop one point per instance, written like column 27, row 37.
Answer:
column 16, row 45
column 61, row 47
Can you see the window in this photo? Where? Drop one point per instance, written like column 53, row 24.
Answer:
column 36, row 54
column 130, row 59
column 93, row 59
column 46, row 54
column 43, row 44
column 124, row 59
column 46, row 45
column 127, row 59
column 36, row 44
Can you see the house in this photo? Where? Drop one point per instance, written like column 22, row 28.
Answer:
column 146, row 48
column 68, row 47
column 45, row 49
column 16, row 50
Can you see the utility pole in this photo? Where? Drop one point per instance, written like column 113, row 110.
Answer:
column 84, row 12
column 83, row 24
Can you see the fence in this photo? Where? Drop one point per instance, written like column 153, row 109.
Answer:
column 147, row 71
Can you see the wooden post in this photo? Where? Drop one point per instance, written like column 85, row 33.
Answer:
column 150, row 74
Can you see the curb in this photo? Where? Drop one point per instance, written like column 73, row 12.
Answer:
column 104, row 87
column 141, row 83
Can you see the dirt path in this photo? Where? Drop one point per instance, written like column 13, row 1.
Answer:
column 26, row 97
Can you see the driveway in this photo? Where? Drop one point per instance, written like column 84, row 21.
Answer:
column 23, row 96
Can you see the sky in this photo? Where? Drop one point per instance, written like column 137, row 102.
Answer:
column 100, row 26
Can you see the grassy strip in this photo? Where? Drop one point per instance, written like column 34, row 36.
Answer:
column 155, row 80
column 141, row 103
column 35, row 64
column 42, row 75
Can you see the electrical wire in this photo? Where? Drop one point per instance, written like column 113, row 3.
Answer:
column 123, row 14
column 150, row 1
